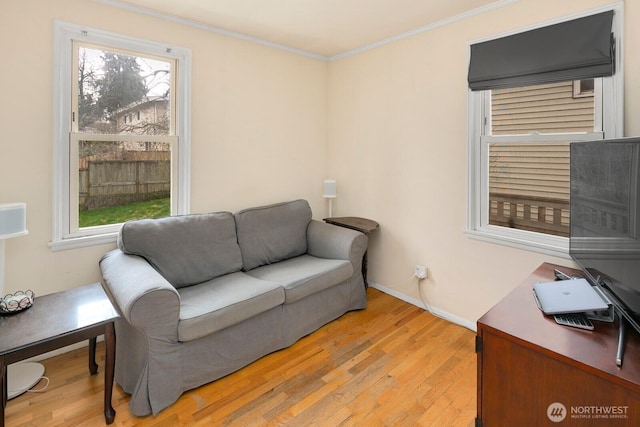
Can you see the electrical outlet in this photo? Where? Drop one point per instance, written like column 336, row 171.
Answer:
column 421, row 272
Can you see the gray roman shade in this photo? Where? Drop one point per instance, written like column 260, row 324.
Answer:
column 578, row 49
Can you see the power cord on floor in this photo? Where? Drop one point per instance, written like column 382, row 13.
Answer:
column 39, row 390
column 423, row 298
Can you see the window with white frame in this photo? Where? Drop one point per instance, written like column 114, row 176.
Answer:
column 519, row 136
column 121, row 142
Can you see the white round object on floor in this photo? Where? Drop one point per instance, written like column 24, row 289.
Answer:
column 22, row 376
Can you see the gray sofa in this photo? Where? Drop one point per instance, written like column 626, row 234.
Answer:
column 202, row 295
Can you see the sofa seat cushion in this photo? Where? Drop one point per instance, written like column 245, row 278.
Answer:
column 185, row 249
column 304, row 275
column 224, row 301
column 268, row 234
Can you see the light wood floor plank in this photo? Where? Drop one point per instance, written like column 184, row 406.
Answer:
column 391, row 364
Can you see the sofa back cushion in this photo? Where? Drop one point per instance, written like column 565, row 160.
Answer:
column 269, row 234
column 185, row 249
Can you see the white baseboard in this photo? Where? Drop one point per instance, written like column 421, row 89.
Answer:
column 434, row 310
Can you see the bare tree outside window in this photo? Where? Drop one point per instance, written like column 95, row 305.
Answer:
column 124, row 94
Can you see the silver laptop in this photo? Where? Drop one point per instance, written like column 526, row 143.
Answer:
column 567, row 296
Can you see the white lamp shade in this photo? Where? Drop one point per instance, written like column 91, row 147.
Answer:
column 330, row 189
column 13, row 220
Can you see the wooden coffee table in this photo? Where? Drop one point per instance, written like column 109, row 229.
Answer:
column 58, row 320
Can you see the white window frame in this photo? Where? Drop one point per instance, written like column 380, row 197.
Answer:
column 611, row 107
column 64, row 234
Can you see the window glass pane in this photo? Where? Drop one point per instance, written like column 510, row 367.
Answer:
column 119, row 181
column 550, row 108
column 583, row 88
column 529, row 186
column 122, row 93
column 529, row 176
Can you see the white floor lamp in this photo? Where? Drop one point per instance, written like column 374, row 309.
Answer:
column 13, row 223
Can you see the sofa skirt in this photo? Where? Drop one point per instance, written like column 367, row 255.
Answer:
column 157, row 372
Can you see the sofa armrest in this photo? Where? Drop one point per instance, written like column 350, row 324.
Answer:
column 144, row 298
column 330, row 241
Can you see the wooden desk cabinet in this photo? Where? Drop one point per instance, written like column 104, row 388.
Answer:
column 534, row 372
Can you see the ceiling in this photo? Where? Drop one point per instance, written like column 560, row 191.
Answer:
column 326, row 28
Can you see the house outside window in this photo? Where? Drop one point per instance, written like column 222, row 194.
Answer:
column 121, row 133
column 528, row 172
column 583, row 88
column 518, row 182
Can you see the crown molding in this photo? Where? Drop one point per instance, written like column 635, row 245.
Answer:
column 425, row 28
column 211, row 28
column 155, row 14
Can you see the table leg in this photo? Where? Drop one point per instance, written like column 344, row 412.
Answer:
column 93, row 366
column 3, row 380
column 110, row 358
column 365, row 262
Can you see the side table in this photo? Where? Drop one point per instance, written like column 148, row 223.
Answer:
column 362, row 225
column 58, row 320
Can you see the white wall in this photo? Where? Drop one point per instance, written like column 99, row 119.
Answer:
column 259, row 120
column 389, row 124
column 397, row 147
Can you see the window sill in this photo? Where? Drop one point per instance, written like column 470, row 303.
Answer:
column 525, row 240
column 83, row 241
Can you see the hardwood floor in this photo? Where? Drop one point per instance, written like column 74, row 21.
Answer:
column 392, row 364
